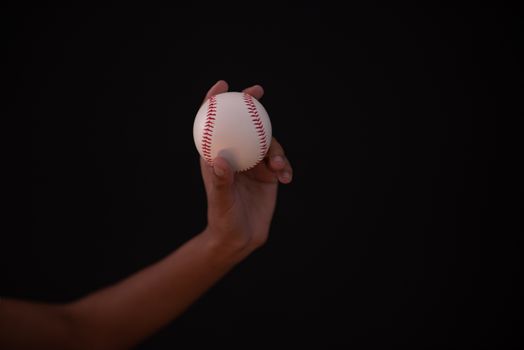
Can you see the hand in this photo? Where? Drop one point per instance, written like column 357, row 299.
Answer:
column 241, row 205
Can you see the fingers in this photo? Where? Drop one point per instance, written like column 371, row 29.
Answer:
column 218, row 179
column 223, row 172
column 278, row 162
column 256, row 91
column 219, row 87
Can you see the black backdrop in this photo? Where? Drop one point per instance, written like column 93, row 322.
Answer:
column 400, row 227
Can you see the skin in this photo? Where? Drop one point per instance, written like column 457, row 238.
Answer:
column 240, row 210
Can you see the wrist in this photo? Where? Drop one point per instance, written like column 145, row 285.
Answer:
column 224, row 251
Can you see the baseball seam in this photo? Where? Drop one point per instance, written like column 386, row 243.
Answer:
column 259, row 128
column 207, row 136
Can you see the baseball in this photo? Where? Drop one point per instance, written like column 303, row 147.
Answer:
column 233, row 125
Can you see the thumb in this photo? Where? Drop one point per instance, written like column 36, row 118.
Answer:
column 220, row 189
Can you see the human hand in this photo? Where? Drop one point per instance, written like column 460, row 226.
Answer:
column 241, row 204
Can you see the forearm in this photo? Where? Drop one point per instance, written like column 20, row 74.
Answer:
column 32, row 325
column 121, row 315
column 126, row 313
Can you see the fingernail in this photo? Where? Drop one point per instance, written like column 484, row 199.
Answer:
column 218, row 171
column 286, row 176
column 218, row 82
column 278, row 159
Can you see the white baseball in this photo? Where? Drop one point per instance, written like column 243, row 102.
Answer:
column 233, row 125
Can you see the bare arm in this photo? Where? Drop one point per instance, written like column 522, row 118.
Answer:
column 240, row 209
column 119, row 316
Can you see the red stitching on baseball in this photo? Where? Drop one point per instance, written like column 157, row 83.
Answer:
column 208, row 129
column 257, row 122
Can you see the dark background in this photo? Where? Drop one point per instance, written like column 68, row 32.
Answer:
column 401, row 227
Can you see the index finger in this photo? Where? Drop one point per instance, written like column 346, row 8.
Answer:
column 219, row 87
